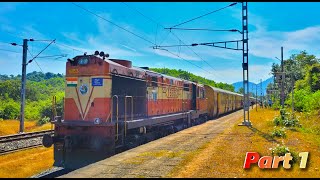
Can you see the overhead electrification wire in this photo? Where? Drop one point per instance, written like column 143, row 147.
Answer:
column 185, row 60
column 203, row 15
column 9, row 51
column 13, row 44
column 41, row 51
column 200, row 29
column 41, row 40
column 58, row 44
column 205, row 44
column 35, row 60
column 169, row 33
column 113, row 23
column 51, row 56
column 127, row 30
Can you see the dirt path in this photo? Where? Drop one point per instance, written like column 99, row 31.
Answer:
column 159, row 157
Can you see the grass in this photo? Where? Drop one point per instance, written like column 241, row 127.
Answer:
column 8, row 127
column 224, row 155
column 278, row 133
column 26, row 163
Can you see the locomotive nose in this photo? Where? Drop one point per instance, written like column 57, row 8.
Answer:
column 47, row 140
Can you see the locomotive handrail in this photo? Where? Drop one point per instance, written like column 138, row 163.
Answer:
column 117, row 124
column 125, row 113
column 54, row 109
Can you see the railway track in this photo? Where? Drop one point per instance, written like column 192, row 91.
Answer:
column 13, row 143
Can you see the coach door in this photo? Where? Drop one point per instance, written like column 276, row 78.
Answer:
column 216, row 104
column 194, row 96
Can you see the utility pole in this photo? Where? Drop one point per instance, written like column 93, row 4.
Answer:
column 23, row 83
column 256, row 97
column 292, row 103
column 261, row 93
column 282, row 79
column 245, row 62
column 252, row 93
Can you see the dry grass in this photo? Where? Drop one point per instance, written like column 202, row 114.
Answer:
column 26, row 163
column 8, row 127
column 224, row 155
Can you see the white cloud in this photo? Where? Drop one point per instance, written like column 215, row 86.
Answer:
column 72, row 36
column 132, row 49
column 266, row 44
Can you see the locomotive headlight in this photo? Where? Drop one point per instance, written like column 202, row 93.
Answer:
column 97, row 121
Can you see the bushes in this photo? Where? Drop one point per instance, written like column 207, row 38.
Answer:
column 278, row 133
column 277, row 120
column 9, row 110
column 294, row 122
column 276, row 105
column 286, row 119
column 282, row 150
column 287, row 122
column 305, row 100
column 43, row 121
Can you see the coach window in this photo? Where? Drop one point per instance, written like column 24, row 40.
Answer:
column 203, row 93
column 186, row 87
column 171, row 81
column 154, row 95
column 198, row 92
column 154, row 81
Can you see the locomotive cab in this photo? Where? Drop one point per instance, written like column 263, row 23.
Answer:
column 85, row 130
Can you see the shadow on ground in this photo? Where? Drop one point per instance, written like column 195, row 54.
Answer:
column 262, row 134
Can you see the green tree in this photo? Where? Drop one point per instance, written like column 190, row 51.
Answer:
column 191, row 77
column 240, row 91
column 313, row 77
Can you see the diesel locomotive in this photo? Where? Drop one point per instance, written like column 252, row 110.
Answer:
column 111, row 105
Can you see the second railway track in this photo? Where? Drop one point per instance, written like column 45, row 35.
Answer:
column 13, row 143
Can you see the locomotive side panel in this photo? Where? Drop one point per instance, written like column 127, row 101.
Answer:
column 165, row 96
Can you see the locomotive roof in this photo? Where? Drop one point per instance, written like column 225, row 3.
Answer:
column 160, row 74
column 225, row 91
column 150, row 72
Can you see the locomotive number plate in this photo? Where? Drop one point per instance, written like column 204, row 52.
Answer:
column 73, row 71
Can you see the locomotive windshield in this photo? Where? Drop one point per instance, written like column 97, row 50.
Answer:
column 83, row 61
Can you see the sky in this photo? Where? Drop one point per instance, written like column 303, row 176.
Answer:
column 129, row 31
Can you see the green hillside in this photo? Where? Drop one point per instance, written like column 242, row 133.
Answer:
column 39, row 91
